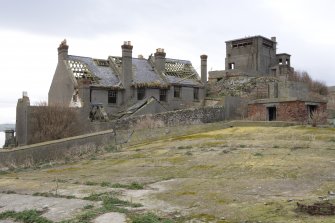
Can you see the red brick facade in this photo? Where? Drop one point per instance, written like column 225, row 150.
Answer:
column 285, row 111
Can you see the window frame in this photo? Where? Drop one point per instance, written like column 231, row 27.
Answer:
column 177, row 91
column 196, row 94
column 162, row 95
column 112, row 97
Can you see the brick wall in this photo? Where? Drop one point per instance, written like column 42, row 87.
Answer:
column 286, row 111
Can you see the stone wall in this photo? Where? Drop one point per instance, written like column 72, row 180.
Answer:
column 171, row 118
column 55, row 150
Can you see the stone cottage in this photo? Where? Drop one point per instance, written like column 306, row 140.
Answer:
column 124, row 85
column 253, row 59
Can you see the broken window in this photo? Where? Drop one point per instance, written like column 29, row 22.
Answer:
column 280, row 61
column 287, row 62
column 112, row 97
column 140, row 93
column 231, row 66
column 196, row 94
column 177, row 91
column 162, row 94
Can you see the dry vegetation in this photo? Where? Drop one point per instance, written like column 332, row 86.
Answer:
column 315, row 86
column 240, row 174
column 53, row 122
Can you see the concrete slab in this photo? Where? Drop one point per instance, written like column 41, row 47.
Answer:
column 57, row 209
column 112, row 217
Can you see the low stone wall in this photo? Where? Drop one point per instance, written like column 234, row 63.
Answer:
column 55, row 150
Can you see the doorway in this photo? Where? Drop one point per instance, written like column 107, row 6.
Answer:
column 272, row 113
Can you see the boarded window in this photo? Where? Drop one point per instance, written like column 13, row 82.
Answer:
column 196, row 94
column 177, row 91
column 140, row 93
column 162, row 94
column 112, row 97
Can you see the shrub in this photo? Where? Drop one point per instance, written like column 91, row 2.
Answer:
column 53, row 122
column 318, row 118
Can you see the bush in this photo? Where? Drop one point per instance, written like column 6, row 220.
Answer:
column 53, row 122
column 313, row 85
column 318, row 118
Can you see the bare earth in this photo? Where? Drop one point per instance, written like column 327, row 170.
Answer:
column 240, row 174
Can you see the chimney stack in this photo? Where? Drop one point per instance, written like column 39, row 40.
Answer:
column 203, row 68
column 63, row 50
column 160, row 60
column 127, row 69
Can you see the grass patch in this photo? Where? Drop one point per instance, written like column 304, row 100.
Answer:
column 275, row 146
column 189, row 153
column 91, row 183
column 184, row 147
column 131, row 186
column 109, row 200
column 8, row 192
column 258, row 154
column 149, row 218
column 29, row 216
column 110, row 148
column 48, row 194
column 89, row 206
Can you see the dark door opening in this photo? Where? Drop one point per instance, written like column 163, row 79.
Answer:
column 311, row 109
column 272, row 113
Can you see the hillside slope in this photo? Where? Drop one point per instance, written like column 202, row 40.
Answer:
column 240, row 174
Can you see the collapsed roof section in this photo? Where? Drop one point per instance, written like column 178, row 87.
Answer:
column 106, row 73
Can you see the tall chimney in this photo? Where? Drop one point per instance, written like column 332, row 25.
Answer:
column 203, row 68
column 63, row 50
column 160, row 60
column 21, row 125
column 127, row 69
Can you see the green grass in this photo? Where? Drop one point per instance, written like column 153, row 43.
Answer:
column 29, row 216
column 48, row 194
column 149, row 218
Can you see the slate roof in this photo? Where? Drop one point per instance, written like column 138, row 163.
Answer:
column 106, row 76
column 144, row 73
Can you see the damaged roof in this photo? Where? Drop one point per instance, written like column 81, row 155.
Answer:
column 105, row 73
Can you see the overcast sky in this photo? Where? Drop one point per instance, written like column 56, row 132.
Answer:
column 31, row 30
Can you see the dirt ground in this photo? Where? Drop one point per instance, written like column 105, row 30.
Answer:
column 239, row 174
